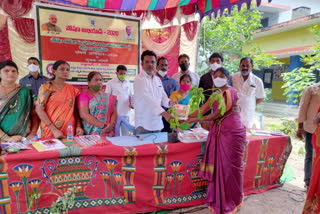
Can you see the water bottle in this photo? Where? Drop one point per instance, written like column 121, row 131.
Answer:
column 70, row 132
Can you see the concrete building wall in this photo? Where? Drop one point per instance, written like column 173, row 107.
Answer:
column 287, row 15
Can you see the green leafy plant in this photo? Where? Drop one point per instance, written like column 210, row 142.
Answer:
column 268, row 96
column 174, row 123
column 197, row 98
column 61, row 205
column 300, row 78
column 34, row 196
column 232, row 35
column 288, row 127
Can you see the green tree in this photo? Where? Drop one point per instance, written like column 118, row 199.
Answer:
column 300, row 78
column 232, row 35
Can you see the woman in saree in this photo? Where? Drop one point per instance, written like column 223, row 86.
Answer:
column 17, row 115
column 222, row 163
column 97, row 109
column 312, row 203
column 56, row 104
column 182, row 96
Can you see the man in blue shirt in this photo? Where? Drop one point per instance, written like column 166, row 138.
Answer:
column 169, row 84
column 34, row 79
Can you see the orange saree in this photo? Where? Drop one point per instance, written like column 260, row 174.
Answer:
column 59, row 106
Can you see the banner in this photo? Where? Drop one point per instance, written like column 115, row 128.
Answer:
column 88, row 41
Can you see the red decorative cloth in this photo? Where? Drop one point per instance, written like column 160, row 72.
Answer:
column 5, row 53
column 16, row 8
column 164, row 16
column 188, row 9
column 25, row 28
column 190, row 29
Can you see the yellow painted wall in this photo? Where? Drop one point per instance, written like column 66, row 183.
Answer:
column 284, row 40
column 285, row 61
column 277, row 91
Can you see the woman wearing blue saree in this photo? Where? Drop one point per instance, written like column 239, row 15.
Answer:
column 16, row 106
column 182, row 96
column 97, row 109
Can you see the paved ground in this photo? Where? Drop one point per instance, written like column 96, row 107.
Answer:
column 278, row 110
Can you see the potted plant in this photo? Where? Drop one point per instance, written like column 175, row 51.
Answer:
column 174, row 123
column 197, row 98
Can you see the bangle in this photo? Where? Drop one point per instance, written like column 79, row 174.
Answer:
column 3, row 136
column 104, row 126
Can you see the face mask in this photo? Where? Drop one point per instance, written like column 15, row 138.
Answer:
column 185, row 87
column 33, row 68
column 215, row 66
column 122, row 77
column 219, row 82
column 162, row 73
column 184, row 66
column 96, row 88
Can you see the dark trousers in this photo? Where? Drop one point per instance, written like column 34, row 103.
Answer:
column 166, row 126
column 308, row 159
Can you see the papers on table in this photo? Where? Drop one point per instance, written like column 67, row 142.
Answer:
column 87, row 140
column 14, row 145
column 265, row 133
column 195, row 135
column 141, row 139
column 48, row 145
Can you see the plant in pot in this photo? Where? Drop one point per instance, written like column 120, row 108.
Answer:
column 174, row 124
column 197, row 98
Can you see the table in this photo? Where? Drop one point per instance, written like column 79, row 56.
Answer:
column 137, row 179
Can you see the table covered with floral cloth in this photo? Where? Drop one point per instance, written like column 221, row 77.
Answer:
column 138, row 179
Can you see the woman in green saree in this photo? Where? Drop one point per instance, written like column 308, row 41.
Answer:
column 16, row 106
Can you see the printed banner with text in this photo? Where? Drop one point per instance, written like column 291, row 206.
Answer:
column 88, row 41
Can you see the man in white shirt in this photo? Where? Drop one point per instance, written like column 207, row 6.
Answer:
column 250, row 90
column 149, row 97
column 184, row 63
column 121, row 88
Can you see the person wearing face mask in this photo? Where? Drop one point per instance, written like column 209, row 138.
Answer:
column 250, row 90
column 184, row 63
column 150, row 97
column 121, row 88
column 206, row 80
column 168, row 83
column 97, row 109
column 222, row 164
column 34, row 79
column 182, row 96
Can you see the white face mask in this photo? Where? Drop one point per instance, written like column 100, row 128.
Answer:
column 219, row 82
column 33, row 68
column 215, row 66
column 162, row 73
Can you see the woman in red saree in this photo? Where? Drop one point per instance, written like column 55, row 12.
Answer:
column 56, row 104
column 222, row 163
column 312, row 204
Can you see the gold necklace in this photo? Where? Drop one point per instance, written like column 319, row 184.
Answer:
column 8, row 91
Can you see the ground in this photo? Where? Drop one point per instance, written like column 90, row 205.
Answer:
column 288, row 198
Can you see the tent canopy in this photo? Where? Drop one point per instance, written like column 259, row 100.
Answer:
column 18, row 8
